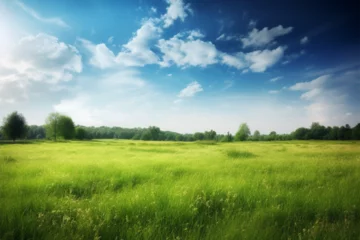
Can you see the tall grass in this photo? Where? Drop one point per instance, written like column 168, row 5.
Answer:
column 137, row 190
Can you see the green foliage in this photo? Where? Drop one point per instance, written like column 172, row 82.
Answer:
column 14, row 126
column 256, row 136
column 199, row 136
column 243, row 133
column 210, row 135
column 80, row 133
column 66, row 127
column 59, row 126
column 36, row 132
column 52, row 126
column 227, row 138
column 356, row 132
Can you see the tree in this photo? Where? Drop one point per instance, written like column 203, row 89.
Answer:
column 272, row 136
column 66, row 127
column 14, row 126
column 301, row 133
column 243, row 133
column 154, row 133
column 256, row 136
column 199, row 136
column 210, row 135
column 317, row 131
column 52, row 126
column 356, row 132
column 59, row 126
column 227, row 138
column 80, row 133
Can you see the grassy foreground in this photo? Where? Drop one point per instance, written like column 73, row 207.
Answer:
column 170, row 190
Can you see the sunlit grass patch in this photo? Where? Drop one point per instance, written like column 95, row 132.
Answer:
column 156, row 190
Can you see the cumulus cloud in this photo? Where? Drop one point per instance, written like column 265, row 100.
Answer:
column 259, row 38
column 194, row 34
column 184, row 49
column 190, row 90
column 187, row 52
column 136, row 52
column 304, row 40
column 261, row 60
column 236, row 61
column 40, row 58
column 54, row 20
column 176, row 10
column 101, row 56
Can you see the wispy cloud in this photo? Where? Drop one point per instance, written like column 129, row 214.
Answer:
column 304, row 40
column 274, row 91
column 34, row 14
column 259, row 38
column 275, row 79
column 190, row 90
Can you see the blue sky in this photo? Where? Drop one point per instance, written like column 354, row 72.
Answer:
column 182, row 65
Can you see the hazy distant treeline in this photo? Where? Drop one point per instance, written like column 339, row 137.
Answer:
column 59, row 126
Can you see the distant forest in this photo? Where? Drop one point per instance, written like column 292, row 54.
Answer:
column 59, row 126
column 315, row 132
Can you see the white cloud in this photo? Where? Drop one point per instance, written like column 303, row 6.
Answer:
column 41, row 58
column 136, row 52
column 101, row 57
column 194, row 34
column 169, row 75
column 261, row 60
column 224, row 37
column 275, row 79
column 176, row 10
column 274, row 91
column 309, row 95
column 187, row 53
column 236, row 61
column 305, row 86
column 265, row 36
column 128, row 78
column 34, row 14
column 252, row 23
column 110, row 39
column 327, row 100
column 153, row 9
column 304, row 40
column 190, row 90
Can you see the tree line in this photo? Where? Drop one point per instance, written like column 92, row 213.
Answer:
column 62, row 127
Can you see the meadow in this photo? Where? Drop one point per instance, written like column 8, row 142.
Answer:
column 115, row 189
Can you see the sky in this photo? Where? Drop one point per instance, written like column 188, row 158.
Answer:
column 182, row 65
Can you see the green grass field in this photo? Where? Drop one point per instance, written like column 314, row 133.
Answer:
column 173, row 190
